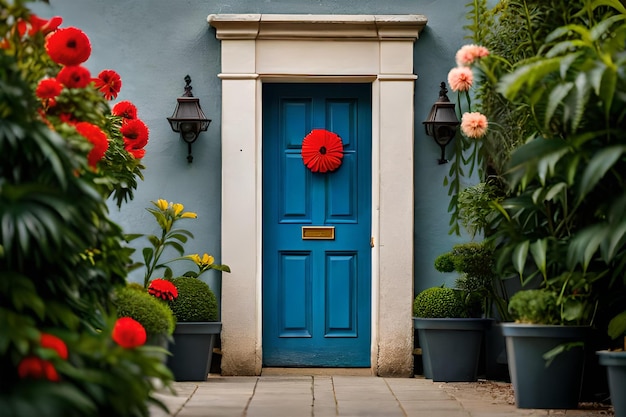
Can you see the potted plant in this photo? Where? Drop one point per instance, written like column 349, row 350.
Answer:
column 154, row 314
column 486, row 296
column 441, row 318
column 546, row 356
column 197, row 328
column 615, row 362
column 191, row 300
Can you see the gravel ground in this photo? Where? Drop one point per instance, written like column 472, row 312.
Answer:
column 502, row 393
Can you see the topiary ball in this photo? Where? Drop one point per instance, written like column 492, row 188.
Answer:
column 439, row 302
column 195, row 302
column 155, row 315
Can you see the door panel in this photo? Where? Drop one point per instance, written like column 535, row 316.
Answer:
column 316, row 292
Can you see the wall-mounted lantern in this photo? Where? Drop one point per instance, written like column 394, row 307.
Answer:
column 442, row 122
column 188, row 118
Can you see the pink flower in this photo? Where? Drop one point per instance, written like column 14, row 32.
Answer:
column 469, row 53
column 474, row 125
column 460, row 78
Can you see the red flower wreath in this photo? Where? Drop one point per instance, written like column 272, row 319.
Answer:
column 322, row 150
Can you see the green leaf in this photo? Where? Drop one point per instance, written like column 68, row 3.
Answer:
column 178, row 236
column 520, row 253
column 617, row 326
column 555, row 190
column 615, row 240
column 555, row 99
column 601, row 162
column 538, row 250
column 177, row 246
column 604, row 81
column 526, row 76
column 580, row 100
column 147, row 255
column 584, row 245
column 611, row 3
column 550, row 355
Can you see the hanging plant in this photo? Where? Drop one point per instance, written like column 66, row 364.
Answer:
column 322, row 150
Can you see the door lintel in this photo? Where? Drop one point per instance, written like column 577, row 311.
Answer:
column 294, row 26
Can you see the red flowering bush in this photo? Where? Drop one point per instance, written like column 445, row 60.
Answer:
column 61, row 256
column 52, row 58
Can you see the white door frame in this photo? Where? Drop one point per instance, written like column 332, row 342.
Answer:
column 318, row 48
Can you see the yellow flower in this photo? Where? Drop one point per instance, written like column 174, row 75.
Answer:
column 188, row 215
column 207, row 259
column 161, row 204
column 178, row 208
column 203, row 262
column 196, row 258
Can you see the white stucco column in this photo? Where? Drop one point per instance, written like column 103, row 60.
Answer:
column 395, row 325
column 241, row 220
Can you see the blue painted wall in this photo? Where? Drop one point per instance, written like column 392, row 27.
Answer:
column 154, row 44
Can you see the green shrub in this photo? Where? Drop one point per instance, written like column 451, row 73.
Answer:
column 195, row 302
column 444, row 262
column 538, row 306
column 155, row 315
column 439, row 302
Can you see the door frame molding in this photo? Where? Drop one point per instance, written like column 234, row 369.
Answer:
column 259, row 48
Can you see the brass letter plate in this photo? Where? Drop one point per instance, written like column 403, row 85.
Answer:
column 318, row 232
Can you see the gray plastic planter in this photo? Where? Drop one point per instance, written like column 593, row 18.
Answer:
column 451, row 347
column 615, row 363
column 192, row 350
column 536, row 385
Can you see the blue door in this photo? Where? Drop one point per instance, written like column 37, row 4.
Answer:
column 316, row 229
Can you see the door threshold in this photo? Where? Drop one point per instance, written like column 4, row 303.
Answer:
column 317, row 371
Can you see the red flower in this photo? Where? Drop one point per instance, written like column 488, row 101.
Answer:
column 163, row 289
column 52, row 342
column 322, row 150
column 136, row 153
column 109, row 83
column 135, row 133
column 48, row 88
column 68, row 118
column 97, row 137
column 74, row 76
column 37, row 368
column 128, row 333
column 69, row 46
column 45, row 26
column 125, row 109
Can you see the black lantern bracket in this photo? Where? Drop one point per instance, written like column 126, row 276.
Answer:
column 188, row 118
column 441, row 123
